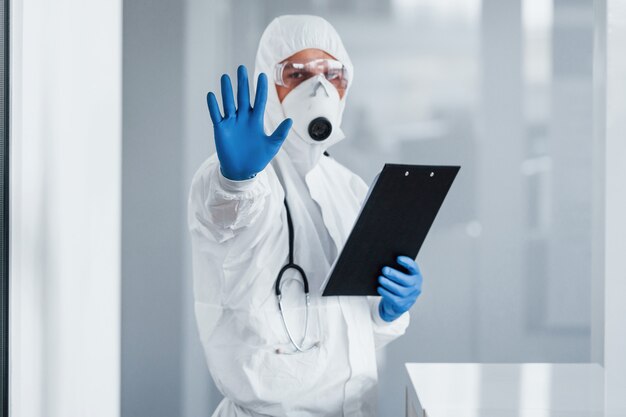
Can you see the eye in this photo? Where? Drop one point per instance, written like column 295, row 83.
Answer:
column 296, row 75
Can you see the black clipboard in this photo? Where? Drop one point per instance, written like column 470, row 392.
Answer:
column 394, row 220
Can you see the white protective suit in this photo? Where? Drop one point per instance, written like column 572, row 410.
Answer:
column 240, row 242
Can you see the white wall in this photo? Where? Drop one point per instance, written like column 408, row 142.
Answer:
column 615, row 234
column 65, row 208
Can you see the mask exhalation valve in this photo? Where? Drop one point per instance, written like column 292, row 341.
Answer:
column 320, row 128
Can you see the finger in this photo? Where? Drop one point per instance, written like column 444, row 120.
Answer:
column 260, row 97
column 214, row 108
column 413, row 268
column 409, row 264
column 399, row 277
column 388, row 296
column 394, row 288
column 227, row 97
column 243, row 91
column 282, row 130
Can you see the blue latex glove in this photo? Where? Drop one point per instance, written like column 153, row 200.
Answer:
column 399, row 289
column 242, row 146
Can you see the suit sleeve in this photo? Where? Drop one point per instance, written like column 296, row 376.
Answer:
column 226, row 219
column 385, row 332
column 223, row 207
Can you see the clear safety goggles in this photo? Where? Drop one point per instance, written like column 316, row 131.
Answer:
column 290, row 73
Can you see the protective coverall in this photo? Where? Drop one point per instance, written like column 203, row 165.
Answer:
column 240, row 242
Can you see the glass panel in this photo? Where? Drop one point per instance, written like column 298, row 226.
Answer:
column 501, row 87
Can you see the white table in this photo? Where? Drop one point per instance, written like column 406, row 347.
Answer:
column 505, row 390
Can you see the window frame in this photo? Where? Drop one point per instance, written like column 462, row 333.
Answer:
column 4, row 209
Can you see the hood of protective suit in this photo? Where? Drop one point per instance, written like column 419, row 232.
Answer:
column 283, row 37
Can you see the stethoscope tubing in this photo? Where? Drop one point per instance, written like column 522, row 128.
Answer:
column 305, row 283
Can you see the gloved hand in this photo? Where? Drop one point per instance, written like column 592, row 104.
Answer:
column 399, row 289
column 242, row 146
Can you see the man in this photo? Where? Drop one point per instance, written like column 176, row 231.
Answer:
column 301, row 358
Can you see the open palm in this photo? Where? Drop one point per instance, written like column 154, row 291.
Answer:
column 242, row 146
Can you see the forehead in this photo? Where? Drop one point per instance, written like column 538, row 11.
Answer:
column 308, row 54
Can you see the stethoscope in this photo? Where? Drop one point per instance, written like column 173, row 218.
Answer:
column 305, row 283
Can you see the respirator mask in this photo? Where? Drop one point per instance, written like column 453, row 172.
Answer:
column 316, row 110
